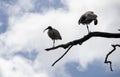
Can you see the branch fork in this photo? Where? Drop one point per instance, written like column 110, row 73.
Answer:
column 70, row 44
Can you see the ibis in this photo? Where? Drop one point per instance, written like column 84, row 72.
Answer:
column 87, row 18
column 53, row 34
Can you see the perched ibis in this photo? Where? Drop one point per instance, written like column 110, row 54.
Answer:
column 87, row 18
column 53, row 34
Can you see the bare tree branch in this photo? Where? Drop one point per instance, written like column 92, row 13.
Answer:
column 62, row 55
column 70, row 44
column 109, row 62
column 85, row 38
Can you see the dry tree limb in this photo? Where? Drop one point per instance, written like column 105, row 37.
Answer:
column 62, row 55
column 106, row 58
column 85, row 38
column 82, row 40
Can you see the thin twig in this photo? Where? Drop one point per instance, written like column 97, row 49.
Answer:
column 62, row 55
column 106, row 58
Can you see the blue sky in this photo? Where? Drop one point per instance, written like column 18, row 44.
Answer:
column 22, row 41
column 94, row 70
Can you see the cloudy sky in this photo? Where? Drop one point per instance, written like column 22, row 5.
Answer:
column 23, row 43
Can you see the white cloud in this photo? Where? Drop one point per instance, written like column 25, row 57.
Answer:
column 26, row 33
column 19, row 67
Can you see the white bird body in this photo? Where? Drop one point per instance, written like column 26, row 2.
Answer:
column 53, row 34
column 87, row 18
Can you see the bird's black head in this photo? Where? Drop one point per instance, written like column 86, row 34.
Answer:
column 49, row 27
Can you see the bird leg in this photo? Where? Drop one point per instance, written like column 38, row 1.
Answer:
column 53, row 43
column 88, row 29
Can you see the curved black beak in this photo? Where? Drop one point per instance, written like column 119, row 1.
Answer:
column 45, row 30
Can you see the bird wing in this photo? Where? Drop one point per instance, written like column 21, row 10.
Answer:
column 82, row 19
column 54, row 34
column 91, row 16
column 57, row 34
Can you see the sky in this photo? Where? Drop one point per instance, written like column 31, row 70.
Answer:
column 23, row 43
